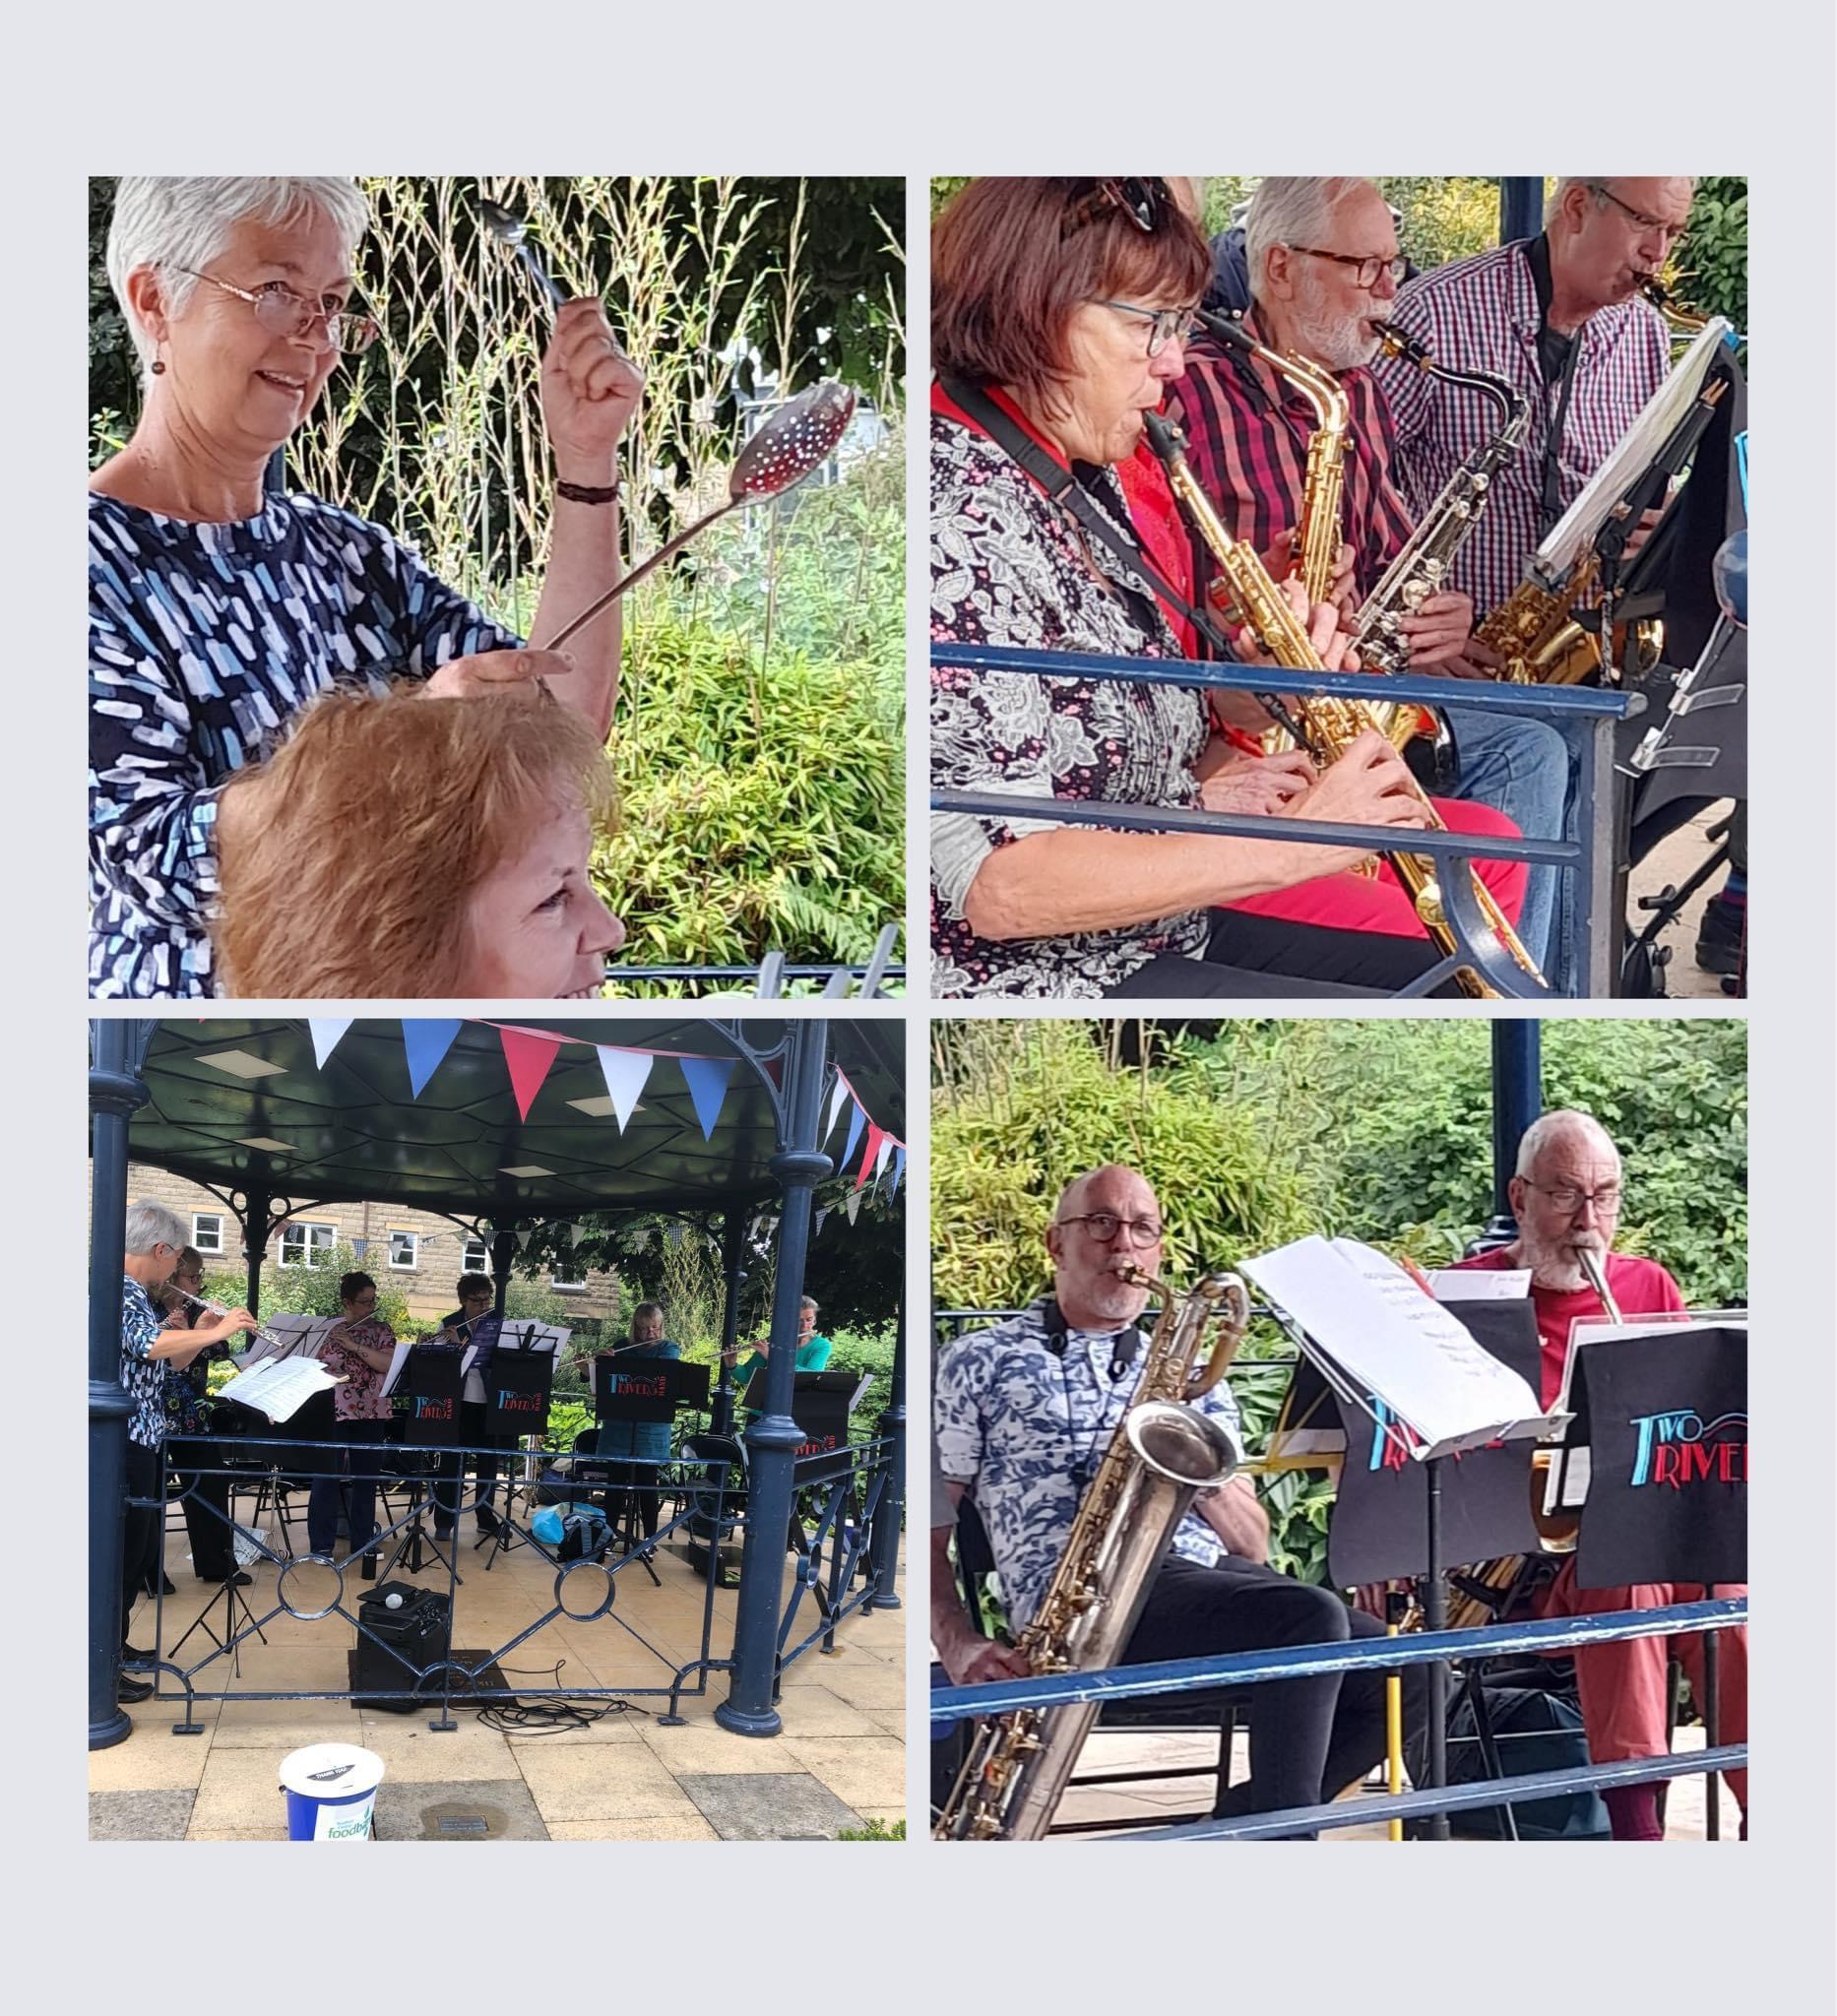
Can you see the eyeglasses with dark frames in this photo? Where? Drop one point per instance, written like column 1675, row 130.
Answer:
column 1166, row 324
column 283, row 312
column 1143, row 199
column 1670, row 234
column 1567, row 1198
column 1105, row 1224
column 1368, row 268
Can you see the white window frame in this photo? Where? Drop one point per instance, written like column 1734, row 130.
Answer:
column 481, row 1264
column 198, row 1238
column 568, row 1288
column 302, row 1229
column 413, row 1261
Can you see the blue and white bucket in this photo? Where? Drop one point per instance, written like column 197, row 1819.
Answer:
column 330, row 1790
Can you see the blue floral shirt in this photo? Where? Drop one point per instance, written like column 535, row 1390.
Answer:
column 205, row 640
column 1027, row 1429
column 143, row 1376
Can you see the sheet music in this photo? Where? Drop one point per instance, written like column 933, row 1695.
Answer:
column 289, row 1336
column 281, row 1387
column 1574, row 532
column 398, row 1364
column 524, row 1334
column 1360, row 1309
column 1479, row 1284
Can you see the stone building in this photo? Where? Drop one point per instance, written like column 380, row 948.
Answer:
column 415, row 1251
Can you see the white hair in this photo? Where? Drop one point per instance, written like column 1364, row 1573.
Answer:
column 1548, row 1126
column 808, row 1302
column 150, row 1224
column 1291, row 210
column 173, row 222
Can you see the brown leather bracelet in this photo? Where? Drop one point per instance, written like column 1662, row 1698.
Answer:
column 588, row 493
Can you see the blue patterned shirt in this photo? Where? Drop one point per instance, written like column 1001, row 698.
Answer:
column 143, row 1376
column 205, row 640
column 1027, row 1430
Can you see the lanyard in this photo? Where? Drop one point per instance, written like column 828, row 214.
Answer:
column 1549, row 504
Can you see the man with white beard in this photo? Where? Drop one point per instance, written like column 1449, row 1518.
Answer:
column 1566, row 1198
column 1324, row 266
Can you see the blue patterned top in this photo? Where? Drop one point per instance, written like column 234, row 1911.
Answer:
column 144, row 1377
column 205, row 640
column 1027, row 1429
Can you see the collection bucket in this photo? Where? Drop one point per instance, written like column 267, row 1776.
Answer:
column 331, row 1791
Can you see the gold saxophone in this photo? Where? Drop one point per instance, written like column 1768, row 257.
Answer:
column 1330, row 726
column 1164, row 1452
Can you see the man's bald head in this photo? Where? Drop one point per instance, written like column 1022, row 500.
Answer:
column 1100, row 1225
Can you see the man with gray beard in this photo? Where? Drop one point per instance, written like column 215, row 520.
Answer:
column 1566, row 1199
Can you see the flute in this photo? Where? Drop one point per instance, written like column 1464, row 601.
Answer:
column 260, row 1331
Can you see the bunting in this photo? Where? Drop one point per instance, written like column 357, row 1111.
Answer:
column 898, row 1170
column 868, row 1155
column 325, row 1031
column 854, row 1206
column 707, row 1079
column 857, row 1122
column 626, row 1073
column 424, row 1042
column 528, row 1054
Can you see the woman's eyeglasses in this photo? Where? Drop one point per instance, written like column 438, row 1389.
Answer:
column 1165, row 324
column 278, row 309
column 1366, row 270
column 1143, row 199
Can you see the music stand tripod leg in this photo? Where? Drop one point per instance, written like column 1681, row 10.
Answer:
column 1711, row 1705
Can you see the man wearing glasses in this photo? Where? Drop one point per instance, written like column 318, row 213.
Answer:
column 1022, row 1414
column 1566, row 1199
column 1323, row 267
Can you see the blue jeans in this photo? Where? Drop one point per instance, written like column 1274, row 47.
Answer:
column 1521, row 768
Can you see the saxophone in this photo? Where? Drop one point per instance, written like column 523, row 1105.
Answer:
column 1421, row 569
column 1162, row 1454
column 1331, row 726
column 1323, row 483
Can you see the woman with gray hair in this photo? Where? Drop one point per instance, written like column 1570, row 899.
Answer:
column 154, row 1237
column 217, row 610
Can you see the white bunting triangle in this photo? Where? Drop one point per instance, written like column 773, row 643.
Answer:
column 835, row 1099
column 575, row 1233
column 854, row 1206
column 820, row 1215
column 884, row 1155
column 626, row 1073
column 676, row 1237
column 325, row 1031
column 524, row 1237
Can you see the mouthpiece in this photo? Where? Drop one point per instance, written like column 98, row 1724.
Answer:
column 1397, row 342
column 1163, row 437
column 1227, row 328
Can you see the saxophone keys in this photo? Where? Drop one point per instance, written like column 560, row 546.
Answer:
column 1429, row 906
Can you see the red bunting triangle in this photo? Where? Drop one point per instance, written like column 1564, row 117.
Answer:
column 528, row 1058
column 874, row 1139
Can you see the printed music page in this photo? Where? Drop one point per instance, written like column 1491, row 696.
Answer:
column 1366, row 1314
column 1479, row 1284
column 281, row 1387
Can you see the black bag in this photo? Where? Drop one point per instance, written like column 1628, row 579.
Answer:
column 1534, row 1731
column 415, row 1634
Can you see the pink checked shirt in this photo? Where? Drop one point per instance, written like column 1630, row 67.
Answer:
column 1482, row 314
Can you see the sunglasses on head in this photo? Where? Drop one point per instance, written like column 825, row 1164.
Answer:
column 1143, row 199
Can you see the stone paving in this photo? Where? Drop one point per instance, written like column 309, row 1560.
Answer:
column 840, row 1761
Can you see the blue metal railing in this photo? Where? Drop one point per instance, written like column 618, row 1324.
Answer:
column 1584, row 717
column 1302, row 1662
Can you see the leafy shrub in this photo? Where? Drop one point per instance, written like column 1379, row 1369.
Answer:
column 1710, row 262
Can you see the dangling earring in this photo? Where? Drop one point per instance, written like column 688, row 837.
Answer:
column 158, row 368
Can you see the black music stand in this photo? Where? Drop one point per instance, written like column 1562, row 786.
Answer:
column 629, row 1391
column 519, row 1385
column 1662, row 1420
column 425, row 1396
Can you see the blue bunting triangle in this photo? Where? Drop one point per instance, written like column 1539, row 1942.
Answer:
column 857, row 1122
column 898, row 1170
column 707, row 1080
column 425, row 1044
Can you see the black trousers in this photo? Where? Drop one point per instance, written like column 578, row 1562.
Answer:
column 638, row 1482
column 196, row 1469
column 1254, row 958
column 484, row 1464
column 1310, row 1738
column 142, row 1528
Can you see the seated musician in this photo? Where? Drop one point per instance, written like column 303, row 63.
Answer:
column 1059, row 310
column 1022, row 1414
column 1565, row 1197
column 1323, row 264
column 634, row 1450
column 1557, row 317
column 408, row 845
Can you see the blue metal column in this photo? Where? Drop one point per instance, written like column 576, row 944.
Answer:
column 503, row 1259
column 885, row 1546
column 733, row 1272
column 773, row 1438
column 256, row 1226
column 117, row 1050
column 1521, row 207
column 1517, row 1100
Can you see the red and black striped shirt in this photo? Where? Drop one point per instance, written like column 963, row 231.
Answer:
column 1247, row 432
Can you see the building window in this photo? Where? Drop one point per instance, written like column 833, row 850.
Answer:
column 476, row 1259
column 405, row 1249
column 207, row 1230
column 566, row 1277
column 305, row 1245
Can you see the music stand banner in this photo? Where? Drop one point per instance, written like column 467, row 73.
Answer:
column 634, row 1392
column 517, row 1386
column 821, row 1404
column 1378, row 1528
column 428, row 1398
column 1665, row 1418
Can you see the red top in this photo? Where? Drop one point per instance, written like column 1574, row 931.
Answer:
column 1641, row 1287
column 1162, row 533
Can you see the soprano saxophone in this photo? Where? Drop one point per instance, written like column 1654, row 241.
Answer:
column 1164, row 1451
column 1331, row 726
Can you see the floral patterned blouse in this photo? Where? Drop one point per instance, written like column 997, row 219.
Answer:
column 360, row 1398
column 1010, row 567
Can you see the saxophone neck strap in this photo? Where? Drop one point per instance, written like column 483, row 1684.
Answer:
column 1126, row 1346
column 1064, row 489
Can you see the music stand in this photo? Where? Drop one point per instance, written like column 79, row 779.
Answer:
column 519, row 1384
column 629, row 1391
column 423, row 1386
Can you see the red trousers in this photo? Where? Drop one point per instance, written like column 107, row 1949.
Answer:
column 1364, row 903
column 1622, row 1684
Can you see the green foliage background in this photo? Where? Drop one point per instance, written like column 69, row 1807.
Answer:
column 1256, row 1132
